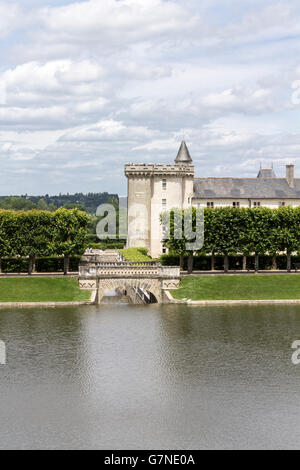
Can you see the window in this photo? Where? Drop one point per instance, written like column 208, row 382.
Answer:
column 235, row 205
column 281, row 204
column 164, row 250
column 164, row 203
column 256, row 204
column 164, row 184
column 210, row 204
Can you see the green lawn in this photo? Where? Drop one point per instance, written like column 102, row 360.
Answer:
column 135, row 254
column 256, row 287
column 41, row 289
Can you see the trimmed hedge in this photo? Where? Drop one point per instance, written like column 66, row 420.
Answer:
column 107, row 245
column 43, row 265
column 203, row 262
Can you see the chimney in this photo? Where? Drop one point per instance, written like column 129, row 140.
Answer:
column 290, row 175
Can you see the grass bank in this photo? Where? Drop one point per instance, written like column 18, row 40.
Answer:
column 135, row 254
column 40, row 289
column 256, row 287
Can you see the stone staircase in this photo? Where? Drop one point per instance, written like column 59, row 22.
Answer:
column 107, row 256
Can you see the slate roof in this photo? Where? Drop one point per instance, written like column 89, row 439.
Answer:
column 183, row 155
column 250, row 188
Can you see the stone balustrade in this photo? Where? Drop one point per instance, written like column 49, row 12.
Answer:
column 97, row 269
column 127, row 276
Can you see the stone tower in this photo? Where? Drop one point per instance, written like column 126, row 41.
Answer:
column 152, row 189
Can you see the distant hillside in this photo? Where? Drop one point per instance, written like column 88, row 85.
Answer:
column 89, row 201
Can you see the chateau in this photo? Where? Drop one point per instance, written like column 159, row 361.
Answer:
column 154, row 188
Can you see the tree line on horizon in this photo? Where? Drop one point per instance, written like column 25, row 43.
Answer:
column 232, row 231
column 85, row 202
column 37, row 233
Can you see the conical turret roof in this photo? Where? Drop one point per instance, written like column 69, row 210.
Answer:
column 183, row 155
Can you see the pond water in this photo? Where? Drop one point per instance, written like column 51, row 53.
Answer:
column 145, row 377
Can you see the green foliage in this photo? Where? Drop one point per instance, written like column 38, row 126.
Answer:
column 107, row 245
column 69, row 232
column 42, row 233
column 72, row 205
column 42, row 205
column 17, row 203
column 86, row 202
column 49, row 264
column 143, row 251
column 246, row 231
column 228, row 230
column 135, row 254
column 202, row 262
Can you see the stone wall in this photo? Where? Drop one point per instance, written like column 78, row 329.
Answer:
column 148, row 197
column 127, row 276
column 151, row 285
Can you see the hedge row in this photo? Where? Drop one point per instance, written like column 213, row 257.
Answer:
column 229, row 231
column 42, row 265
column 39, row 234
column 203, row 262
column 107, row 245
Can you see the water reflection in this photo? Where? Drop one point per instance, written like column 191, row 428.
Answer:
column 113, row 297
column 129, row 376
column 247, row 337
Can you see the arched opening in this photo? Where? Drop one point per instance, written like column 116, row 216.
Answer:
column 126, row 293
column 146, row 296
column 115, row 296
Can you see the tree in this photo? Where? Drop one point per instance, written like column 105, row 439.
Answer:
column 52, row 207
column 210, row 230
column 288, row 231
column 33, row 236
column 17, row 203
column 7, row 231
column 70, row 234
column 42, row 205
column 73, row 205
column 41, row 233
column 173, row 230
column 259, row 232
column 227, row 236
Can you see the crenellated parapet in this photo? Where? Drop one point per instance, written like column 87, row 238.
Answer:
column 152, row 189
column 157, row 169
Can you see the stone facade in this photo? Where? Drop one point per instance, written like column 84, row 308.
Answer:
column 151, row 190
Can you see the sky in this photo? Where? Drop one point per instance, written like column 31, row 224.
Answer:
column 88, row 86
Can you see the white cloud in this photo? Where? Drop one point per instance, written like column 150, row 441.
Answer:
column 269, row 21
column 11, row 17
column 89, row 85
column 108, row 131
column 121, row 21
column 244, row 100
column 51, row 77
column 56, row 93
